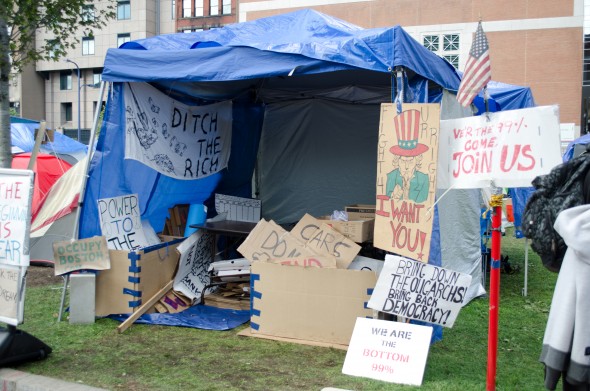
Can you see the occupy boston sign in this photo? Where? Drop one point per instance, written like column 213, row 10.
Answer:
column 419, row 291
column 91, row 253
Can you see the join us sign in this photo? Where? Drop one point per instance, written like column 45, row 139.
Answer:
column 509, row 148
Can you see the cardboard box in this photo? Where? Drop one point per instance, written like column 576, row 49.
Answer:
column 308, row 304
column 135, row 276
column 360, row 211
column 356, row 230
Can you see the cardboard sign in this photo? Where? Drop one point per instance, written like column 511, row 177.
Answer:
column 16, row 194
column 90, row 254
column 11, row 294
column 179, row 141
column 120, row 222
column 238, row 208
column 325, row 241
column 269, row 241
column 196, row 254
column 510, row 148
column 419, row 291
column 390, row 351
column 406, row 179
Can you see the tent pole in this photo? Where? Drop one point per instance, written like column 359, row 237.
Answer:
column 88, row 159
column 75, row 231
column 496, row 204
column 37, row 146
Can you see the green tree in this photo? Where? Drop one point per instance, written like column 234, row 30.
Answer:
column 20, row 20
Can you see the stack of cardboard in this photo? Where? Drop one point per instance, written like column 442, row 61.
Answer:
column 175, row 224
column 232, row 295
column 302, row 289
column 231, row 279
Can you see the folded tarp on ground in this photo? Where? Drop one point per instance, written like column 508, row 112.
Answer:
column 198, row 316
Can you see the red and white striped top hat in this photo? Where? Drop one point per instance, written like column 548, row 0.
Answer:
column 407, row 126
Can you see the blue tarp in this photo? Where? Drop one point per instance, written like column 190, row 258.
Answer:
column 23, row 136
column 197, row 316
column 231, row 63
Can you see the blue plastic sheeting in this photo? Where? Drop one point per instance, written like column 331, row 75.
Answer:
column 569, row 151
column 505, row 96
column 511, row 97
column 111, row 175
column 22, row 132
column 305, row 42
column 198, row 317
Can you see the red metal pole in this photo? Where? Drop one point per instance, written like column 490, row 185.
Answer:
column 494, row 296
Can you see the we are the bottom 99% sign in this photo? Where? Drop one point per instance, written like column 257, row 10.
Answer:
column 395, row 352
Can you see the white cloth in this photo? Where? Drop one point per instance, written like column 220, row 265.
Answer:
column 566, row 345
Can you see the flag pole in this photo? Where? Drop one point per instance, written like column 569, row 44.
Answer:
column 496, row 205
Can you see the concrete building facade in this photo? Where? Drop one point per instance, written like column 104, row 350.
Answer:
column 57, row 82
column 534, row 43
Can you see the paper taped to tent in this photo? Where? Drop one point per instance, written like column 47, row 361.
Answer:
column 284, row 109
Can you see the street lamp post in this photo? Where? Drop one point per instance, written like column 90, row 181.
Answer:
column 79, row 88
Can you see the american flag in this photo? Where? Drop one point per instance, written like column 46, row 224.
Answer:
column 478, row 71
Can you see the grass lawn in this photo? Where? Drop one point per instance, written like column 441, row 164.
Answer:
column 147, row 357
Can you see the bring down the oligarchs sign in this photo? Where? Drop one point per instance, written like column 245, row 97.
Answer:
column 420, row 291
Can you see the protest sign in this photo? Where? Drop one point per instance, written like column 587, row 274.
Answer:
column 179, row 141
column 11, row 294
column 406, row 177
column 419, row 291
column 390, row 351
column 71, row 255
column 120, row 222
column 268, row 241
column 16, row 193
column 508, row 148
column 196, row 254
column 324, row 241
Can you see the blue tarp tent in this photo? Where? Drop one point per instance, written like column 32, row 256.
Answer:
column 306, row 91
column 23, row 138
column 302, row 55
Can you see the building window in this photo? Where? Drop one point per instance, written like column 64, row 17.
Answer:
column 187, row 8
column 88, row 13
column 213, row 7
column 65, row 81
column 199, row 8
column 445, row 45
column 173, row 9
column 122, row 38
column 96, row 77
column 87, row 46
column 123, row 10
column 66, row 112
column 226, row 7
